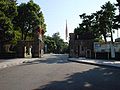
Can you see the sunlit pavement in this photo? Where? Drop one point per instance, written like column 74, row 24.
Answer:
column 5, row 63
column 109, row 63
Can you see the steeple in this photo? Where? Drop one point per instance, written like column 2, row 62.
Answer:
column 66, row 31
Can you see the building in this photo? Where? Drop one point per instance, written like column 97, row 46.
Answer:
column 90, row 49
column 79, row 47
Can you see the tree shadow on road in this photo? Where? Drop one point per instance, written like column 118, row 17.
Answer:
column 55, row 59
column 94, row 79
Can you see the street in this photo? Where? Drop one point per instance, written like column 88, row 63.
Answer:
column 54, row 72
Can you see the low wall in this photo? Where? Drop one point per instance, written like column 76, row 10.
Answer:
column 8, row 55
column 105, row 55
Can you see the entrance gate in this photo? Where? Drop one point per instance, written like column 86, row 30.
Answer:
column 31, row 48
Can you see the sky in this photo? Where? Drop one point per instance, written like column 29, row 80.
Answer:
column 56, row 12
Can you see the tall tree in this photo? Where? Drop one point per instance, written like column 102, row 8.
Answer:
column 86, row 29
column 60, row 44
column 50, row 43
column 29, row 18
column 97, row 24
column 106, row 19
column 8, row 10
column 101, row 22
column 117, row 17
column 55, row 44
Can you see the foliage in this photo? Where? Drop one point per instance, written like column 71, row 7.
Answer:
column 17, row 35
column 19, row 22
column 106, row 19
column 29, row 18
column 51, row 46
column 8, row 10
column 117, row 17
column 55, row 44
column 97, row 24
column 87, row 29
column 61, row 46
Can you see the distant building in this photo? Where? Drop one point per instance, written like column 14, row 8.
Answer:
column 90, row 49
column 80, row 48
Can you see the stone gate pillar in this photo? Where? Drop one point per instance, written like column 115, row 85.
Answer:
column 37, row 44
column 36, row 49
column 20, row 49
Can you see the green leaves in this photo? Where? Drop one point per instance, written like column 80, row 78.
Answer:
column 29, row 17
column 97, row 24
column 8, row 10
column 55, row 44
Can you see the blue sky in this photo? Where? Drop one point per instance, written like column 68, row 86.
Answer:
column 56, row 12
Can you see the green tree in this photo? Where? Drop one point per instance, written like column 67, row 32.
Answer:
column 8, row 10
column 108, row 14
column 29, row 18
column 87, row 29
column 55, row 44
column 98, row 24
column 51, row 45
column 61, row 46
column 106, row 20
column 117, row 18
column 57, row 39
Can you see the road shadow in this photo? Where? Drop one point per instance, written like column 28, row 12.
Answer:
column 54, row 59
column 94, row 79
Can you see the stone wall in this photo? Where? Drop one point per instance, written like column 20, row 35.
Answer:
column 80, row 48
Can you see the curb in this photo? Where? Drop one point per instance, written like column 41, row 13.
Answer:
column 97, row 64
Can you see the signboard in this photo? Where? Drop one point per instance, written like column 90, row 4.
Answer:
column 107, row 47
column 101, row 47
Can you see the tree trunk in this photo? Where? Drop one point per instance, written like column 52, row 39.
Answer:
column 22, row 37
column 25, row 36
column 104, row 35
column 111, row 36
column 119, row 9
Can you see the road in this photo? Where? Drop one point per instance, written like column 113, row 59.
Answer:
column 54, row 72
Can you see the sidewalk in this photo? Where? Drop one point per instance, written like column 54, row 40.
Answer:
column 4, row 63
column 13, row 62
column 109, row 63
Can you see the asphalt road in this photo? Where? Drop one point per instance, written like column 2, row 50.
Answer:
column 54, row 72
